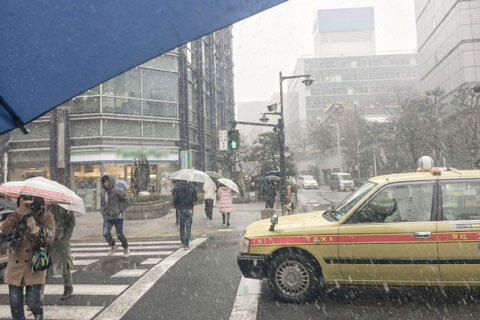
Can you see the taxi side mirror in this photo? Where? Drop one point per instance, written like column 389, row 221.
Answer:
column 273, row 221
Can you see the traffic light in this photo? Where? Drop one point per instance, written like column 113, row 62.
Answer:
column 233, row 139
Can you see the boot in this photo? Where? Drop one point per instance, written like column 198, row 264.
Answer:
column 228, row 219
column 223, row 217
column 112, row 251
column 67, row 293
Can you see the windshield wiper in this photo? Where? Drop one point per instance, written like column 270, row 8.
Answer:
column 331, row 214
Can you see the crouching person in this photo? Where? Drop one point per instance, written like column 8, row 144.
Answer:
column 34, row 227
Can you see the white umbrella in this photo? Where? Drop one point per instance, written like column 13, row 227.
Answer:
column 53, row 192
column 191, row 175
column 229, row 184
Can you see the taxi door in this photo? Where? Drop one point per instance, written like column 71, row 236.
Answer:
column 459, row 230
column 391, row 236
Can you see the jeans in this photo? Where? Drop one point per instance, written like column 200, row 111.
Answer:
column 33, row 300
column 269, row 203
column 209, row 208
column 185, row 225
column 107, row 232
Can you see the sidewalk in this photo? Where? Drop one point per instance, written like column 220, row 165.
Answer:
column 89, row 226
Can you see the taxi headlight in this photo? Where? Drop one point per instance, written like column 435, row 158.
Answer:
column 244, row 245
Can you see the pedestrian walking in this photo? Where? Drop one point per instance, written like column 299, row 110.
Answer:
column 113, row 203
column 269, row 193
column 34, row 227
column 225, row 202
column 184, row 196
column 209, row 194
column 177, row 217
column 60, row 249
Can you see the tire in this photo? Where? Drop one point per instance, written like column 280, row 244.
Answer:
column 294, row 278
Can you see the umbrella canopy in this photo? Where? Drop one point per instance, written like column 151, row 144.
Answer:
column 229, row 184
column 191, row 175
column 214, row 175
column 53, row 192
column 53, row 49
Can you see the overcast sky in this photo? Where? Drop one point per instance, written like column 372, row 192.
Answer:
column 273, row 40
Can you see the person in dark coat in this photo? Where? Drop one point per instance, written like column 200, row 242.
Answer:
column 60, row 249
column 269, row 193
column 113, row 203
column 184, row 196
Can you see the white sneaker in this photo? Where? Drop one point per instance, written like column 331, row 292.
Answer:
column 112, row 251
column 126, row 253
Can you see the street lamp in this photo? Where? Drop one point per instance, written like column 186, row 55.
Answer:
column 281, row 136
column 264, row 118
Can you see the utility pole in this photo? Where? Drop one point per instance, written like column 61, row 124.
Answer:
column 339, row 150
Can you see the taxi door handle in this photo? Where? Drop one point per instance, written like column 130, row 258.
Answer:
column 423, row 235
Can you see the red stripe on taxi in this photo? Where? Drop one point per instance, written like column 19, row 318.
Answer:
column 365, row 238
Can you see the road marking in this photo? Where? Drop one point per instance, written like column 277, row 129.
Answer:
column 84, row 262
column 151, row 261
column 87, row 244
column 246, row 302
column 129, row 273
column 58, row 312
column 80, row 289
column 134, row 253
column 124, row 302
column 225, row 230
column 77, row 249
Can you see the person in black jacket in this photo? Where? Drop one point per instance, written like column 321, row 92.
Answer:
column 184, row 196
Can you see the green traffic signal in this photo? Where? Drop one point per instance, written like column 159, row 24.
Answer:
column 233, row 139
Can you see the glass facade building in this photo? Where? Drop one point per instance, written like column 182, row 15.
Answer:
column 177, row 101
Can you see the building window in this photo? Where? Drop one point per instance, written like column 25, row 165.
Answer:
column 121, row 106
column 160, row 109
column 159, row 85
column 165, row 62
column 38, row 130
column 122, row 128
column 84, row 128
column 84, row 104
column 125, row 85
column 160, row 130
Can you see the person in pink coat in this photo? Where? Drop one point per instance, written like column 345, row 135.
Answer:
column 225, row 202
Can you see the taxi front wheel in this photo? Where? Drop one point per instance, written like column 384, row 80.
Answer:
column 294, row 277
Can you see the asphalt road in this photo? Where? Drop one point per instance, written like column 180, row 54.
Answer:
column 161, row 280
column 318, row 199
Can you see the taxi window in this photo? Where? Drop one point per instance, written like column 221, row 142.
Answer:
column 398, row 203
column 461, row 200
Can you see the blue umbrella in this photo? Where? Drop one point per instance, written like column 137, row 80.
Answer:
column 54, row 50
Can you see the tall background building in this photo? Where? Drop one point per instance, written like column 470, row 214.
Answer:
column 448, row 36
column 175, row 102
column 347, row 71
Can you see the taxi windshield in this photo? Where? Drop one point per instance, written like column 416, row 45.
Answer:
column 350, row 201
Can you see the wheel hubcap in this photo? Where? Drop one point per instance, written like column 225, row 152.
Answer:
column 292, row 278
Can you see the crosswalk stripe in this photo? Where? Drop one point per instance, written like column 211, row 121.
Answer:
column 80, row 289
column 134, row 253
column 129, row 273
column 58, row 312
column 86, row 244
column 246, row 302
column 77, row 249
column 125, row 301
column 84, row 262
column 151, row 261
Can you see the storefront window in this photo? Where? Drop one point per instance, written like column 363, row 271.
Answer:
column 121, row 106
column 125, row 85
column 160, row 109
column 160, row 130
column 160, row 85
column 85, row 128
column 122, row 128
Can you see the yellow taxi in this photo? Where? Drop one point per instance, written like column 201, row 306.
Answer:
column 410, row 229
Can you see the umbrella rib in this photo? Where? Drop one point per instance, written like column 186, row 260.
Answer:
column 13, row 115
